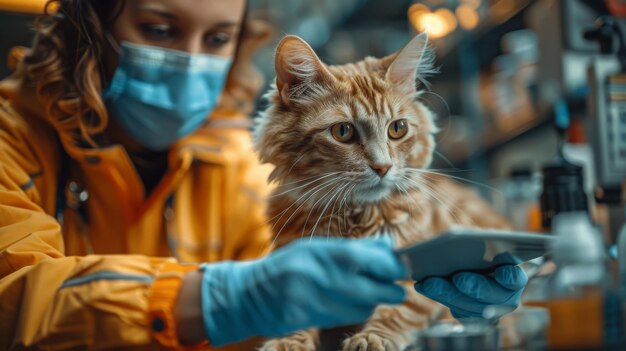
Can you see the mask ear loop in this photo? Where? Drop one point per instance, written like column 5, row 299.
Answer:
column 114, row 45
column 116, row 48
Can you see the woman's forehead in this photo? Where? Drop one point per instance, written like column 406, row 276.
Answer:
column 199, row 12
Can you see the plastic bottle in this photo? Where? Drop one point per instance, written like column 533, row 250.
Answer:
column 522, row 190
column 576, row 291
column 563, row 190
column 577, row 150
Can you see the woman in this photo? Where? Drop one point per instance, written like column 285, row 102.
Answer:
column 124, row 152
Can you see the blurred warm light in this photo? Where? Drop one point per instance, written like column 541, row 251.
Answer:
column 418, row 8
column 32, row 6
column 468, row 17
column 432, row 23
column 449, row 17
column 437, row 24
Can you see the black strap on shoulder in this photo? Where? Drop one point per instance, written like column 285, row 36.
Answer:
column 63, row 178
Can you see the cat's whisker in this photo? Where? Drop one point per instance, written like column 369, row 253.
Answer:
column 440, row 98
column 280, row 185
column 405, row 196
column 341, row 210
column 349, row 203
column 389, row 229
column 441, row 191
column 329, row 183
column 330, row 192
column 412, row 207
column 427, row 188
column 335, row 192
column 455, row 170
column 460, row 179
column 433, row 149
column 297, row 200
column 311, row 192
column 344, row 202
column 294, row 164
column 304, row 185
column 432, row 174
column 332, row 211
column 447, row 160
column 430, row 190
column 306, row 221
column 448, row 128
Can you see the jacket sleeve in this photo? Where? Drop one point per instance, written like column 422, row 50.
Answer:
column 48, row 300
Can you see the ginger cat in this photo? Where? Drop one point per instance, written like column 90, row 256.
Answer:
column 351, row 145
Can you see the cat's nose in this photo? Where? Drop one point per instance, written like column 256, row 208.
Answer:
column 381, row 169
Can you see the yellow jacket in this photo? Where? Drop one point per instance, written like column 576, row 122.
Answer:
column 85, row 283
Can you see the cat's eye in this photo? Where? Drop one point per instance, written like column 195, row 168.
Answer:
column 342, row 132
column 398, row 129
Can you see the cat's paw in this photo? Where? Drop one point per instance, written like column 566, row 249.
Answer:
column 296, row 342
column 369, row 342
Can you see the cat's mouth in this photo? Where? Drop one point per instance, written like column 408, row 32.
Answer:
column 378, row 191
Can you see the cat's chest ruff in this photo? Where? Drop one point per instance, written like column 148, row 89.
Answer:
column 377, row 219
column 408, row 220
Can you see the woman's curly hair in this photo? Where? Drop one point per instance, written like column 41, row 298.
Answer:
column 66, row 65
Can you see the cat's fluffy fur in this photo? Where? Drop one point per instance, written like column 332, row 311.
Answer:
column 326, row 187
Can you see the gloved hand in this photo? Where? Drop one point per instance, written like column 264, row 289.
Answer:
column 468, row 294
column 311, row 283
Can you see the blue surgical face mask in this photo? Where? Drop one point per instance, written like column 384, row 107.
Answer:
column 159, row 95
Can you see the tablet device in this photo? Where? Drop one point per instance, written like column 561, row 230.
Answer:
column 471, row 249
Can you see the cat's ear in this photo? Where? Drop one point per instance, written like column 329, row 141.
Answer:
column 413, row 62
column 298, row 69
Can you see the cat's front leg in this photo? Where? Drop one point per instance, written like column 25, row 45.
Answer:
column 394, row 328
column 304, row 340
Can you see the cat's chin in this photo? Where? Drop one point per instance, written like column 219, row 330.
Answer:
column 371, row 195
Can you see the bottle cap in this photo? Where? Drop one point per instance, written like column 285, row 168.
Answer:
column 563, row 190
column 576, row 132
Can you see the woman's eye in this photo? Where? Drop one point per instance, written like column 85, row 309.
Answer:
column 398, row 129
column 218, row 39
column 342, row 132
column 157, row 31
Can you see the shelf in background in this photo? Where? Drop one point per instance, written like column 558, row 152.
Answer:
column 447, row 46
column 491, row 139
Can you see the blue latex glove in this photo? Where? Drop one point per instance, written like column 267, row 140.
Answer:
column 311, row 283
column 468, row 294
